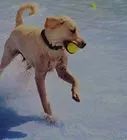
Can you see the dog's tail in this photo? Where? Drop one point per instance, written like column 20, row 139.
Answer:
column 32, row 7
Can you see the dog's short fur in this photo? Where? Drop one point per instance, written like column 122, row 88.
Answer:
column 27, row 40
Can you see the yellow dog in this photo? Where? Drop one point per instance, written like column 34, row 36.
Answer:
column 44, row 49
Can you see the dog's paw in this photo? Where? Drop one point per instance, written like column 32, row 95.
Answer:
column 76, row 97
column 50, row 119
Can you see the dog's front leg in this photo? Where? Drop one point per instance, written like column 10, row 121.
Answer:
column 40, row 81
column 64, row 74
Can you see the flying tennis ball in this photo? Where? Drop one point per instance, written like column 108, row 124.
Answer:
column 72, row 48
column 93, row 5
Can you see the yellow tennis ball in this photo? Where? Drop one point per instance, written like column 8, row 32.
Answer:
column 93, row 5
column 72, row 48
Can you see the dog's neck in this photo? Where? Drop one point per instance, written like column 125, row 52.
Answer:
column 52, row 47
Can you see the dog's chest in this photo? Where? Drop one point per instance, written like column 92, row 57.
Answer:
column 49, row 61
column 52, row 63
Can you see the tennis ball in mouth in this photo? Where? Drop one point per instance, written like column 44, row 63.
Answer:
column 72, row 48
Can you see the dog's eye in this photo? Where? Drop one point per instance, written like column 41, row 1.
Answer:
column 73, row 30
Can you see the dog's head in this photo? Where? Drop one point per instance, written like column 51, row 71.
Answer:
column 61, row 30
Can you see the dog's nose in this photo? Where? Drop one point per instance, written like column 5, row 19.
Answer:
column 83, row 44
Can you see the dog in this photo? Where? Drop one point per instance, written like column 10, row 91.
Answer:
column 44, row 49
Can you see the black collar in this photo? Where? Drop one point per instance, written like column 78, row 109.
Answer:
column 47, row 42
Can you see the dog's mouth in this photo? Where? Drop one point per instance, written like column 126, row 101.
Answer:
column 70, row 46
column 73, row 46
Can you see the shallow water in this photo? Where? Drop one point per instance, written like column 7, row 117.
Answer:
column 101, row 69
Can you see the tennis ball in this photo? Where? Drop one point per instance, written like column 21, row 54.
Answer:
column 93, row 5
column 72, row 48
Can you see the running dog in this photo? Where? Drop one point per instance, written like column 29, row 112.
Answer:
column 44, row 49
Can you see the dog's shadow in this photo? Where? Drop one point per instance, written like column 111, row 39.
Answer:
column 9, row 119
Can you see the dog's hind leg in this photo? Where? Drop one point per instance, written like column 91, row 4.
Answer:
column 8, row 55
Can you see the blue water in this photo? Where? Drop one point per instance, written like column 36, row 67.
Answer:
column 101, row 69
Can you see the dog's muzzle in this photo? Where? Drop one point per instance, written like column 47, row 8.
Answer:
column 82, row 44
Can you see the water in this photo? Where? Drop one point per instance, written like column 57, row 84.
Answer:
column 101, row 68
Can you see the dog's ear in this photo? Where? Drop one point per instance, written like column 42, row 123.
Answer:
column 53, row 22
